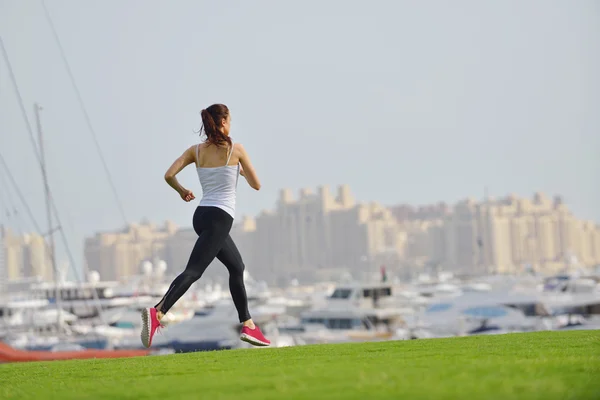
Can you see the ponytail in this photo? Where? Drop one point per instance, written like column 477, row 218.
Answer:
column 216, row 112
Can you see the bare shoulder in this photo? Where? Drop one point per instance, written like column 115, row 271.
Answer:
column 197, row 148
column 239, row 148
column 190, row 154
column 200, row 146
column 193, row 149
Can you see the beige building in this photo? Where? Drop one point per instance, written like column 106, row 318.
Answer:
column 24, row 256
column 119, row 255
column 505, row 235
column 319, row 234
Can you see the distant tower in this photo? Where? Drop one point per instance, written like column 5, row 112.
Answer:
column 285, row 196
column 344, row 196
column 305, row 193
column 325, row 196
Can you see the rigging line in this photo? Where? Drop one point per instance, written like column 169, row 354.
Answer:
column 7, row 205
column 20, row 99
column 5, row 200
column 11, row 208
column 31, row 138
column 19, row 193
column 63, row 236
column 38, row 158
column 85, row 113
column 29, row 130
column 23, row 112
column 25, row 204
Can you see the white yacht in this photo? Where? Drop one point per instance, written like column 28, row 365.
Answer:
column 356, row 312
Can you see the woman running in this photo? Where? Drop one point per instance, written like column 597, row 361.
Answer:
column 217, row 162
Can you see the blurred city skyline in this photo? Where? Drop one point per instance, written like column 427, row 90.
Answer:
column 405, row 102
column 323, row 235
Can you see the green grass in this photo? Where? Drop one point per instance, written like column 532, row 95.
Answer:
column 544, row 365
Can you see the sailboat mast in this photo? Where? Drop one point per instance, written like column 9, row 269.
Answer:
column 37, row 108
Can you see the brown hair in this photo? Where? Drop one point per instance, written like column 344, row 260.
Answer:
column 210, row 117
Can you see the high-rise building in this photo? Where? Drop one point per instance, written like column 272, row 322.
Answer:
column 118, row 255
column 505, row 235
column 25, row 256
column 319, row 233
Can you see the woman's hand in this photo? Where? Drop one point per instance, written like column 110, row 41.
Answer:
column 186, row 195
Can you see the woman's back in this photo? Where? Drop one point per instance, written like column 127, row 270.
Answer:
column 211, row 156
column 218, row 171
column 219, row 162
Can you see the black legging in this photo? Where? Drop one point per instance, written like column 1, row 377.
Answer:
column 212, row 225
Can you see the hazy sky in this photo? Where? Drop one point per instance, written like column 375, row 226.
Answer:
column 406, row 101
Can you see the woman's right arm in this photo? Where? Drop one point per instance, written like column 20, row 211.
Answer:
column 188, row 157
column 248, row 171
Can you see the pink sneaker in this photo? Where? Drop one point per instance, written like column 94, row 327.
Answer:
column 254, row 336
column 150, row 324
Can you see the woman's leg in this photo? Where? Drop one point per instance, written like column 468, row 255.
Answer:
column 213, row 226
column 232, row 259
column 205, row 250
column 230, row 256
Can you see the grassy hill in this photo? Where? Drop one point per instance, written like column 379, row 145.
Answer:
column 544, row 365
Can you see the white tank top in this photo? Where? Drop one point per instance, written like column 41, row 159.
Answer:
column 219, row 185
